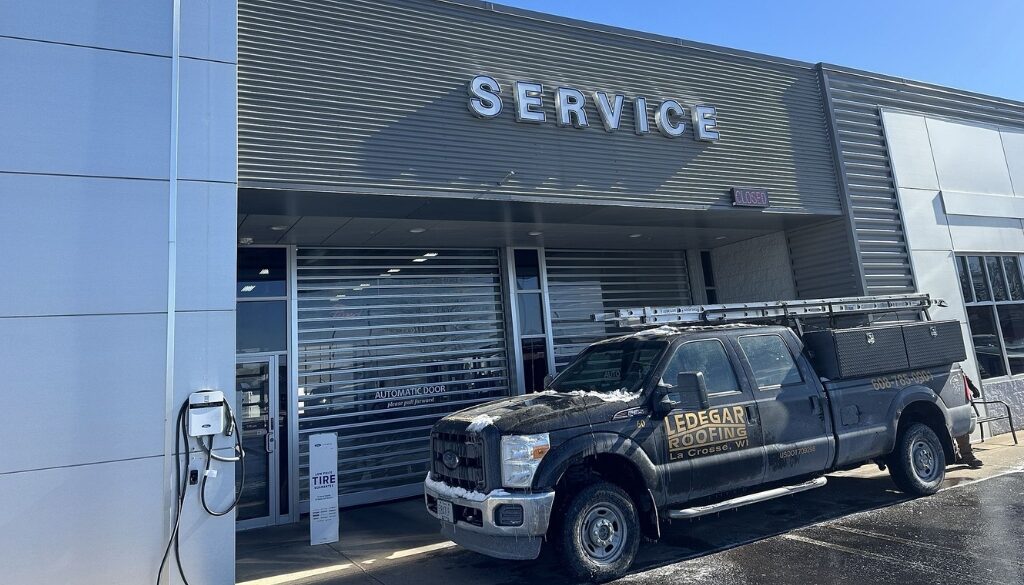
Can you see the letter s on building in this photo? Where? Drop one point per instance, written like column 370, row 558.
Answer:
column 483, row 97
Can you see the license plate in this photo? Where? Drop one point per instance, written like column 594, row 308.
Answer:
column 445, row 511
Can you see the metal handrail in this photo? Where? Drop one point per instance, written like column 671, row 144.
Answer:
column 1007, row 417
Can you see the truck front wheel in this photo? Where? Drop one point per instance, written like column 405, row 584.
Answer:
column 918, row 463
column 600, row 533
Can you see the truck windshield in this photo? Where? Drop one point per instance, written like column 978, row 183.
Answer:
column 609, row 367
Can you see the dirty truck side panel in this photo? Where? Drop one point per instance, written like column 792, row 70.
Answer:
column 865, row 411
column 797, row 427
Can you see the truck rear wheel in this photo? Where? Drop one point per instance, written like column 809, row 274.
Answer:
column 918, row 463
column 600, row 533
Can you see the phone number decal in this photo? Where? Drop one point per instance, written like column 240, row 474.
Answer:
column 903, row 379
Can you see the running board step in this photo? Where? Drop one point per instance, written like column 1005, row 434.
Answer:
column 687, row 513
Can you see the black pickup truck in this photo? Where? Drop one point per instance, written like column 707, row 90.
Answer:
column 676, row 423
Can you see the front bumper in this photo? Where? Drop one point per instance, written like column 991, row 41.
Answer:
column 476, row 528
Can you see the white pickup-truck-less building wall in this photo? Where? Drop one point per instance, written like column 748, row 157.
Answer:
column 117, row 225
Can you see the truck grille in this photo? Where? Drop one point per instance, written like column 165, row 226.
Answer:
column 468, row 472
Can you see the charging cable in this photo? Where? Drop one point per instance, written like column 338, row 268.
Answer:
column 181, row 442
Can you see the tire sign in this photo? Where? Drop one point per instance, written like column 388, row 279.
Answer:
column 323, row 488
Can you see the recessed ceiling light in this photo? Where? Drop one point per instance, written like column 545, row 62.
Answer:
column 245, row 241
column 720, row 238
column 394, row 270
column 417, row 230
column 248, row 288
column 278, row 228
column 430, row 254
column 535, row 233
column 635, row 235
column 384, row 275
column 265, row 272
column 419, row 259
column 365, row 285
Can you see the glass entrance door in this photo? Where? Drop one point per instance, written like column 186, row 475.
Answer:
column 256, row 410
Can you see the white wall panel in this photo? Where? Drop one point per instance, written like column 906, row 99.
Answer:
column 909, row 149
column 140, row 26
column 204, row 357
column 94, row 384
column 936, row 275
column 207, row 248
column 968, row 158
column 986, row 234
column 1013, row 148
column 87, row 525
column 207, row 150
column 69, row 110
column 981, row 205
column 924, row 220
column 209, row 29
column 76, row 245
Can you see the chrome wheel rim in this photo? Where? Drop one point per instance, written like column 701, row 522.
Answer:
column 603, row 533
column 926, row 464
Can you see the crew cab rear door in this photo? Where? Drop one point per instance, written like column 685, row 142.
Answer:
column 794, row 423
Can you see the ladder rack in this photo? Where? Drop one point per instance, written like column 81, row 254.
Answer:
column 773, row 310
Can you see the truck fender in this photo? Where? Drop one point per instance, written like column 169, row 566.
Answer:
column 914, row 397
column 558, row 460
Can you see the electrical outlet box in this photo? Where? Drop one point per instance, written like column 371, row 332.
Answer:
column 206, row 413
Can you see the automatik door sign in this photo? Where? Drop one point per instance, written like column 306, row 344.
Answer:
column 323, row 488
column 485, row 101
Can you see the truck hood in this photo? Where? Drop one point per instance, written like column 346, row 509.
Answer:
column 546, row 411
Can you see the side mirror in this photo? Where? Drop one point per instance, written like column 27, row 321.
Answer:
column 548, row 379
column 689, row 394
column 691, row 389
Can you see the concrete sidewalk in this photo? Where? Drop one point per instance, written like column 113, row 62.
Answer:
column 398, row 543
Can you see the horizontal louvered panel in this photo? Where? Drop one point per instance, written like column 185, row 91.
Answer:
column 361, row 96
column 386, row 347
column 584, row 282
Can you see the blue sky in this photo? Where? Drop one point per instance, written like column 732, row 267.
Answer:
column 974, row 45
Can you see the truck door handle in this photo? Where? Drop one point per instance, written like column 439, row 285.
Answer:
column 751, row 415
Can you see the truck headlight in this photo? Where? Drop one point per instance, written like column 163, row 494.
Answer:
column 520, row 456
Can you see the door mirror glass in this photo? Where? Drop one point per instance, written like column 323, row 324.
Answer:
column 692, row 391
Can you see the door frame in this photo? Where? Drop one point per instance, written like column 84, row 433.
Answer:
column 273, row 460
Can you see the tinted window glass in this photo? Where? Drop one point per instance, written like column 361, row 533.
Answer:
column 986, row 342
column 608, row 367
column 527, row 270
column 995, row 275
column 535, row 363
column 261, row 272
column 261, row 326
column 965, row 279
column 770, row 359
column 1011, row 322
column 1012, row 269
column 707, row 357
column 981, row 291
column 531, row 317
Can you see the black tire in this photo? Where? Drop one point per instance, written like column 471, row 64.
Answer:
column 599, row 534
column 918, row 462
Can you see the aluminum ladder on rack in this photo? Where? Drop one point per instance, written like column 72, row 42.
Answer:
column 770, row 310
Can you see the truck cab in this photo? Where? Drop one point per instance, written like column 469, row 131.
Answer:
column 674, row 423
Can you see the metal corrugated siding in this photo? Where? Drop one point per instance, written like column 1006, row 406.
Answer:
column 584, row 282
column 856, row 101
column 364, row 336
column 360, row 96
column 822, row 263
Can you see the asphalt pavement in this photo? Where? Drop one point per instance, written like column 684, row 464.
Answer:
column 857, row 529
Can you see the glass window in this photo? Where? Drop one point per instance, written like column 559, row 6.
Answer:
column 531, row 315
column 1011, row 266
column 527, row 270
column 770, row 360
column 965, row 279
column 261, row 272
column 707, row 357
column 607, row 367
column 981, row 292
column 995, row 278
column 261, row 326
column 1011, row 323
column 986, row 341
column 535, row 363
